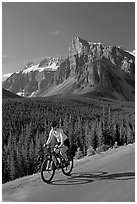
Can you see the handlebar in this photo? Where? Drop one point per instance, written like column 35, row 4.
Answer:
column 57, row 147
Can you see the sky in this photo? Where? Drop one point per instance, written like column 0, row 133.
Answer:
column 34, row 30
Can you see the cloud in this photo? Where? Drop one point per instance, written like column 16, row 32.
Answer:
column 56, row 32
column 4, row 56
column 8, row 56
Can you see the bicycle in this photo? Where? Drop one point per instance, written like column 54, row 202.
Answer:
column 48, row 166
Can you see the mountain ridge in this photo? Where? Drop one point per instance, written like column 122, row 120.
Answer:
column 89, row 67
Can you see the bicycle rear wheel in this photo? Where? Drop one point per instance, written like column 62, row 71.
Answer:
column 68, row 169
column 47, row 170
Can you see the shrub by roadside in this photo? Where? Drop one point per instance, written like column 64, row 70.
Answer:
column 90, row 151
column 102, row 148
column 79, row 154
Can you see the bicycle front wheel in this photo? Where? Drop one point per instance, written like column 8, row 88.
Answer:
column 47, row 170
column 68, row 169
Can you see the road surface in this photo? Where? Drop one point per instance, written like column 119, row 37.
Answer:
column 108, row 177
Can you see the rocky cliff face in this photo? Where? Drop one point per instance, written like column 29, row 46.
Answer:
column 93, row 60
column 100, row 67
column 95, row 67
column 90, row 67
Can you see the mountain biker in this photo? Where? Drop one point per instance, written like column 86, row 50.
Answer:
column 62, row 140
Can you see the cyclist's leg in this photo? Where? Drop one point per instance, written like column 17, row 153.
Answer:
column 63, row 152
column 67, row 145
column 55, row 159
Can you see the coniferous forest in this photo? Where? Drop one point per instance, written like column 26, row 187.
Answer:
column 87, row 122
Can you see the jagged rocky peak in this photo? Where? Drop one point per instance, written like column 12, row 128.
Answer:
column 78, row 45
column 82, row 52
column 49, row 61
column 89, row 51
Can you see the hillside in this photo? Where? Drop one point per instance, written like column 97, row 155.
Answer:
column 7, row 94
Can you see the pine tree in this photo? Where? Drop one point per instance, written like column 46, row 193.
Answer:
column 103, row 119
column 81, row 135
column 87, row 134
column 70, row 130
column 28, row 136
column 94, row 139
column 130, row 135
column 12, row 165
column 20, row 154
column 123, row 138
column 114, row 137
column 65, row 124
column 117, row 137
column 31, row 158
column 11, row 161
column 38, row 151
column 99, row 133
column 78, row 134
column 5, row 165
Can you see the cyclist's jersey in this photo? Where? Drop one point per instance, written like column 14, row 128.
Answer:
column 58, row 134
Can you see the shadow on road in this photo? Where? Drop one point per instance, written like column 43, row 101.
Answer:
column 88, row 177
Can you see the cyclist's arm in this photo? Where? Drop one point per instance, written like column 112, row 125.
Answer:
column 61, row 136
column 50, row 137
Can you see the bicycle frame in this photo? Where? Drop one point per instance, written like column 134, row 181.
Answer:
column 52, row 154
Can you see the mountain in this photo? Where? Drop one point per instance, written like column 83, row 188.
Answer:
column 94, row 69
column 90, row 69
column 7, row 94
column 33, row 78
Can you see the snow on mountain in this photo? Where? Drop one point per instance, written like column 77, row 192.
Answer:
column 5, row 76
column 132, row 53
column 51, row 67
column 30, row 69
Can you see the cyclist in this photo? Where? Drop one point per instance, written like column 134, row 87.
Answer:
column 62, row 140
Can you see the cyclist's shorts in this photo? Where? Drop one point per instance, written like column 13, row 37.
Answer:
column 67, row 143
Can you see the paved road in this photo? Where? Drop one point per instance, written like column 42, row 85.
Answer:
column 109, row 178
